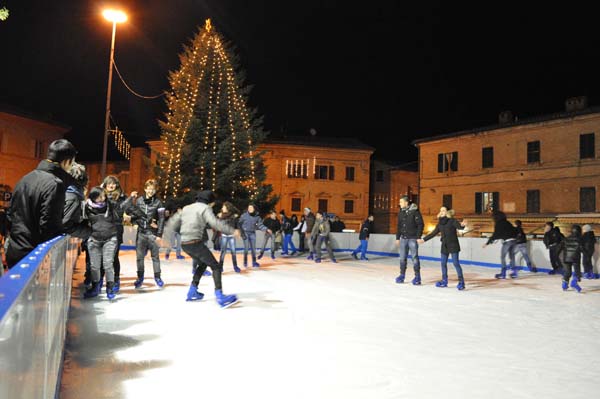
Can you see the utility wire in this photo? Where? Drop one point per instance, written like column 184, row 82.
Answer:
column 133, row 91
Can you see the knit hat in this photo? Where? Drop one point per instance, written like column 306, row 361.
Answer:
column 587, row 228
column 307, row 209
column 206, row 197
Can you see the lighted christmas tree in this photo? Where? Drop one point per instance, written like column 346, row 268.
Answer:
column 210, row 134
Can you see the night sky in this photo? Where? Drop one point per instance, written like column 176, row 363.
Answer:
column 379, row 71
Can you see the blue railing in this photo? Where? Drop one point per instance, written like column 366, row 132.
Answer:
column 34, row 306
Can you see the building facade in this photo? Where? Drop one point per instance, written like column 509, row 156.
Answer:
column 542, row 166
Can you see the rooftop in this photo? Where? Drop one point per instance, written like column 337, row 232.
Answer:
column 320, row 141
column 12, row 110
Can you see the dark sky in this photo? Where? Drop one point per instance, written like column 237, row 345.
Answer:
column 376, row 70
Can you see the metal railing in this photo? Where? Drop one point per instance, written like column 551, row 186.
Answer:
column 34, row 306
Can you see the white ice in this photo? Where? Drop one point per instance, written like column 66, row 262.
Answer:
column 304, row 330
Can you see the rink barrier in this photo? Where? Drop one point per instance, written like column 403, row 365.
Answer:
column 471, row 252
column 35, row 298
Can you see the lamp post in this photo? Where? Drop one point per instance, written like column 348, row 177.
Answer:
column 114, row 16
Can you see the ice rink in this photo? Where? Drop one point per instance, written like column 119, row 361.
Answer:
column 343, row 330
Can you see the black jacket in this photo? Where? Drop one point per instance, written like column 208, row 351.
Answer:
column 104, row 221
column 521, row 236
column 74, row 221
column 287, row 226
column 503, row 230
column 36, row 209
column 588, row 243
column 410, row 223
column 447, row 227
column 552, row 238
column 272, row 224
column 365, row 230
column 145, row 212
column 337, row 227
column 121, row 204
column 572, row 249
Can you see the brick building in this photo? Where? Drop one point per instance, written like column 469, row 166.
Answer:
column 24, row 141
column 389, row 182
column 542, row 166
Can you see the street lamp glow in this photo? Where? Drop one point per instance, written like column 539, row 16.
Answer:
column 114, row 16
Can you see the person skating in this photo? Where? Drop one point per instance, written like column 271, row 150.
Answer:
column 553, row 242
column 521, row 246
column 249, row 222
column 572, row 259
column 175, row 238
column 273, row 226
column 149, row 215
column 287, row 227
column 587, row 251
column 409, row 230
column 102, row 243
column 321, row 234
column 310, row 223
column 192, row 223
column 230, row 215
column 365, row 232
column 448, row 226
column 505, row 231
column 301, row 230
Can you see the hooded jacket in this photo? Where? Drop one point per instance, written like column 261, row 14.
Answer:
column 410, row 223
column 447, row 227
column 194, row 220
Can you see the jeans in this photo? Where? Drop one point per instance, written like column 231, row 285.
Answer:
column 327, row 241
column 588, row 267
column 301, row 241
column 287, row 241
column 102, row 252
column 459, row 271
column 409, row 245
column 269, row 237
column 249, row 243
column 522, row 249
column 228, row 242
column 362, row 248
column 554, row 258
column 202, row 256
column 145, row 242
column 508, row 248
column 175, row 243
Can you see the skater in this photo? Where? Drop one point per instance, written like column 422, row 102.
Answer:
column 365, row 231
column 249, row 222
column 149, row 215
column 321, row 234
column 587, row 251
column 192, row 223
column 273, row 227
column 229, row 215
column 409, row 230
column 505, row 231
column 301, row 230
column 572, row 259
column 120, row 203
column 448, row 227
column 175, row 239
column 521, row 246
column 553, row 242
column 287, row 227
column 310, row 223
column 102, row 243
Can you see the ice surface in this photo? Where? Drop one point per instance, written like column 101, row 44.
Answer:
column 335, row 331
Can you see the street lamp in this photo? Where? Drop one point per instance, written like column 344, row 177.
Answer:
column 114, row 16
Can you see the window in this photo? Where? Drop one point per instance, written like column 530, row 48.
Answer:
column 533, row 201
column 533, row 152
column 349, row 173
column 447, row 162
column 379, row 176
column 331, row 173
column 322, row 205
column 587, row 199
column 487, row 157
column 321, row 172
column 349, row 206
column 296, row 204
column 447, row 201
column 486, row 202
column 38, row 151
column 587, row 145
column 296, row 169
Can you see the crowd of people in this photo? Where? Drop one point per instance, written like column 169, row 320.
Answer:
column 54, row 199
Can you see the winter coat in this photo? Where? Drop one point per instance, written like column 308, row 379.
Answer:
column 447, row 227
column 503, row 230
column 337, row 227
column 521, row 236
column 321, row 228
column 410, row 223
column 195, row 219
column 145, row 212
column 552, row 237
column 588, row 243
column 287, row 226
column 251, row 222
column 103, row 221
column 272, row 224
column 572, row 249
column 74, row 221
column 36, row 209
column 310, row 222
column 121, row 204
column 365, row 230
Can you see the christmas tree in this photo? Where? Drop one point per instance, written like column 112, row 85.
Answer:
column 210, row 134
